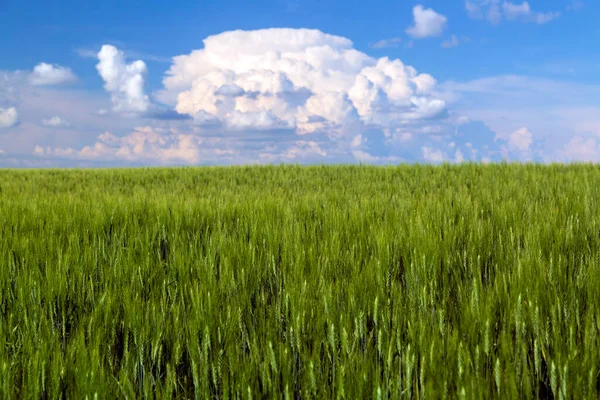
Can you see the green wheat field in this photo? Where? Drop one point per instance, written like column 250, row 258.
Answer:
column 423, row 282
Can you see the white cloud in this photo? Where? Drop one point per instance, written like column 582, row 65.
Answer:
column 458, row 156
column 304, row 149
column 298, row 79
column 433, row 155
column 384, row 43
column 582, row 149
column 452, row 42
column 125, row 82
column 427, row 23
column 47, row 74
column 494, row 11
column 8, row 117
column 55, row 122
column 144, row 144
column 523, row 12
column 520, row 140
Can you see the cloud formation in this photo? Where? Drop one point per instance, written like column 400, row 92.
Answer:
column 48, row 74
column 427, row 23
column 297, row 79
column 125, row 82
column 8, row 117
column 55, row 122
column 495, row 11
column 144, row 144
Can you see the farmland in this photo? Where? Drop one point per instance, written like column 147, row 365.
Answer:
column 474, row 281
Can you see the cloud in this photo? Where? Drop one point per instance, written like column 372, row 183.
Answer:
column 582, row 149
column 125, row 82
column 452, row 42
column 47, row 74
column 144, row 144
column 299, row 79
column 385, row 43
column 520, row 140
column 9, row 117
column 523, row 12
column 427, row 23
column 495, row 11
column 55, row 122
column 433, row 155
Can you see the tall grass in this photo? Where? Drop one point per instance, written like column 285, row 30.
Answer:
column 464, row 281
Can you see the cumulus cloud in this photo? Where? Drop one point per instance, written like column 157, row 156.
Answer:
column 433, row 155
column 494, row 11
column 48, row 74
column 297, row 79
column 125, row 82
column 55, row 122
column 427, row 23
column 521, row 139
column 8, row 117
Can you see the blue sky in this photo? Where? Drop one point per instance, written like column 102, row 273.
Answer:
column 96, row 83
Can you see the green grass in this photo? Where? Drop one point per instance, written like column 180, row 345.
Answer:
column 322, row 282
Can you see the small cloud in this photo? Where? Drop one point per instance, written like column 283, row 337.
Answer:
column 520, row 139
column 125, row 82
column 493, row 11
column 427, row 23
column 86, row 53
column 523, row 12
column 574, row 5
column 55, row 122
column 432, row 155
column 452, row 42
column 47, row 74
column 102, row 112
column 9, row 117
column 458, row 156
column 385, row 43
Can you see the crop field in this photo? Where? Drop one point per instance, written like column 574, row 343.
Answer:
column 470, row 281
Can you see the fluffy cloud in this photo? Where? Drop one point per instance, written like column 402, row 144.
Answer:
column 55, row 122
column 494, row 11
column 47, row 74
column 432, row 155
column 297, row 79
column 8, row 117
column 427, row 23
column 125, row 82
column 520, row 140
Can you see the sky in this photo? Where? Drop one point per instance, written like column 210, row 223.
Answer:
column 190, row 82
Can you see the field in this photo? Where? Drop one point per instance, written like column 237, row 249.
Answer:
column 474, row 281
